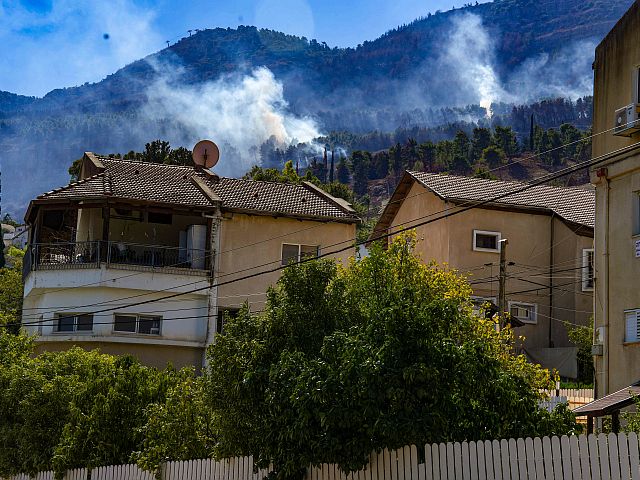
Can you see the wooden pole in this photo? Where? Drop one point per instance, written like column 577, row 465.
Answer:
column 502, row 296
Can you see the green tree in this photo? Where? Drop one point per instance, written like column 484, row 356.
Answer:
column 342, row 171
column 181, row 428
column 505, row 139
column 11, row 291
column 582, row 337
column 361, row 161
column 382, row 353
column 481, row 139
column 493, row 156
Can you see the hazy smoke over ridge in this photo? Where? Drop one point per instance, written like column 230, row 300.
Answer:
column 468, row 65
column 240, row 112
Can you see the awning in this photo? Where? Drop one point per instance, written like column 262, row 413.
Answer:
column 609, row 404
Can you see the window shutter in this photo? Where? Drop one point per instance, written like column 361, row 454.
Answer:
column 637, row 319
column 631, row 326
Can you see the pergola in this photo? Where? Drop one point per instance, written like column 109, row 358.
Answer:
column 609, row 405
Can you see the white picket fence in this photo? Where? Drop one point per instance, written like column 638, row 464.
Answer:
column 601, row 457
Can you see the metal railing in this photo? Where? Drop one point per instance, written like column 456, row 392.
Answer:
column 155, row 256
column 63, row 255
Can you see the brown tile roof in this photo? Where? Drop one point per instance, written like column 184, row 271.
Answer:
column 574, row 204
column 610, row 403
column 178, row 185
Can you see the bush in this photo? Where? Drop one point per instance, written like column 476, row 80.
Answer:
column 384, row 353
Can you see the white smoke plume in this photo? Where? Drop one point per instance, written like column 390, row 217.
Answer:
column 469, row 56
column 468, row 65
column 240, row 112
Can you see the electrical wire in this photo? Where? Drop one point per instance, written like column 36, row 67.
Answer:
column 460, row 209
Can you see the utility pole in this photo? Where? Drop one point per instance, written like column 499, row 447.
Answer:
column 502, row 294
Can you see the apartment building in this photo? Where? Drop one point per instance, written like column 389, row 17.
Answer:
column 549, row 230
column 129, row 258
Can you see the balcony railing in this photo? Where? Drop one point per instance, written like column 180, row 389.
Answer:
column 65, row 255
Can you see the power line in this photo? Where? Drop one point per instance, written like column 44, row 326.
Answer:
column 219, row 254
column 461, row 209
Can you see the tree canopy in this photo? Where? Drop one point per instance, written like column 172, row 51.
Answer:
column 381, row 353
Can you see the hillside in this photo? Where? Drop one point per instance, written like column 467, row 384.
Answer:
column 442, row 69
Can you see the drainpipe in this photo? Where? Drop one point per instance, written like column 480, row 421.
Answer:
column 212, row 297
column 602, row 176
column 551, row 262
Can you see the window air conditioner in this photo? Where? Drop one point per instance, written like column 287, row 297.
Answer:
column 154, row 331
column 627, row 121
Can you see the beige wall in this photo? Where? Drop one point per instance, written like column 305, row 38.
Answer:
column 616, row 59
column 157, row 356
column 617, row 266
column 450, row 241
column 617, row 270
column 238, row 254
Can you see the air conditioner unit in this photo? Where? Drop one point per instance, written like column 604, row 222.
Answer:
column 154, row 331
column 627, row 121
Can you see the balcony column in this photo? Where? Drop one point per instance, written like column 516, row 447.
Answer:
column 212, row 310
column 104, row 244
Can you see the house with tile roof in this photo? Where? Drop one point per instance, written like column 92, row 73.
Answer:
column 148, row 259
column 549, row 284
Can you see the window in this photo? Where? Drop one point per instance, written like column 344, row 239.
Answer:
column 74, row 322
column 225, row 314
column 484, row 241
column 632, row 325
column 524, row 312
column 295, row 253
column 587, row 269
column 142, row 324
column 485, row 306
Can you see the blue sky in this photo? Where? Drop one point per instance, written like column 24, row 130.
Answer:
column 49, row 44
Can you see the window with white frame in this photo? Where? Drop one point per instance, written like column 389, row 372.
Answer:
column 587, row 269
column 485, row 241
column 142, row 324
column 632, row 325
column 292, row 252
column 73, row 322
column 225, row 314
column 524, row 312
column 480, row 304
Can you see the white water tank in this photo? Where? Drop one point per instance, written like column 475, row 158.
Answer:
column 197, row 246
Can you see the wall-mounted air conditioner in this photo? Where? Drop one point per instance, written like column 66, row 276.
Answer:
column 627, row 121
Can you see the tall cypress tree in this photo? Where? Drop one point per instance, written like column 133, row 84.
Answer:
column 531, row 134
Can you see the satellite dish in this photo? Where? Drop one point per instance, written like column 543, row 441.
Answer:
column 205, row 154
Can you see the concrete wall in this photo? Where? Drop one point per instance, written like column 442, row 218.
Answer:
column 617, row 269
column 253, row 243
column 450, row 241
column 617, row 58
column 184, row 318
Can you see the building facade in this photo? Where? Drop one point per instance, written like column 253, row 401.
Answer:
column 616, row 175
column 549, row 253
column 148, row 259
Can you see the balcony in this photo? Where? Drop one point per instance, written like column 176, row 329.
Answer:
column 87, row 255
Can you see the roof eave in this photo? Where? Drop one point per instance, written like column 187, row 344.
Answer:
column 314, row 218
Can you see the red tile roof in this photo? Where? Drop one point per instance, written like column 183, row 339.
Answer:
column 179, row 185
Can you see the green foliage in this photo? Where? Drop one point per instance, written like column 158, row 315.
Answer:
column 11, row 288
column 383, row 353
column 631, row 420
column 287, row 175
column 181, row 428
column 76, row 408
column 493, row 156
column 582, row 337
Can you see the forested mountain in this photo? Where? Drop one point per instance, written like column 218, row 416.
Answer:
column 488, row 64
